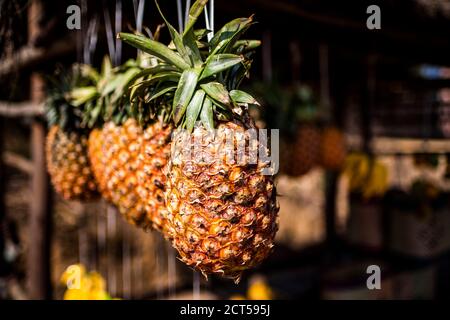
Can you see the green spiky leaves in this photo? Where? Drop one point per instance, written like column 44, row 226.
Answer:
column 204, row 77
column 62, row 101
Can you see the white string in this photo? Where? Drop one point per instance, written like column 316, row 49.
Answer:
column 180, row 16
column 118, row 25
column 135, row 9
column 171, row 270
column 140, row 15
column 195, row 286
column 109, row 33
column 111, row 230
column 211, row 18
column 90, row 42
column 126, row 262
column 207, row 24
column 101, row 237
column 186, row 12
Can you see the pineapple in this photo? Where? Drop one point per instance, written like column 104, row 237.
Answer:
column 116, row 148
column 222, row 216
column 153, row 157
column 121, row 148
column 66, row 145
column 305, row 151
column 300, row 150
column 95, row 152
column 333, row 150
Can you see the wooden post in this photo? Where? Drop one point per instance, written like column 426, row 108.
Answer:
column 38, row 256
column 2, row 199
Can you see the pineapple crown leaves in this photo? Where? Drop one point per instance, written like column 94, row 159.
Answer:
column 204, row 77
column 107, row 98
column 60, row 109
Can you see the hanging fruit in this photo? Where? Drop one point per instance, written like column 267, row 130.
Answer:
column 221, row 216
column 66, row 144
column 333, row 149
column 305, row 151
column 123, row 127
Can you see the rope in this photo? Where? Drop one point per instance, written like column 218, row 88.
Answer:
column 186, row 12
column 180, row 17
column 108, row 29
column 118, row 25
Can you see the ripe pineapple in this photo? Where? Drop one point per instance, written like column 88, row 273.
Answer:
column 68, row 164
column 121, row 148
column 221, row 216
column 153, row 157
column 66, row 144
column 95, row 152
column 333, row 150
column 116, row 148
column 305, row 151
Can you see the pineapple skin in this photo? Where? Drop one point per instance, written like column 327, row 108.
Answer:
column 305, row 152
column 333, row 149
column 120, row 152
column 95, row 152
column 151, row 180
column 68, row 165
column 222, row 218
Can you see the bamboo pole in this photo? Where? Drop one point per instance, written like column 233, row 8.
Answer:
column 38, row 254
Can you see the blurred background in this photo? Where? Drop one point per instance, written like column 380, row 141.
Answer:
column 364, row 120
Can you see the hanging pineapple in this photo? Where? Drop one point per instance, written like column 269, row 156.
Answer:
column 302, row 136
column 333, row 148
column 125, row 131
column 305, row 150
column 221, row 216
column 66, row 144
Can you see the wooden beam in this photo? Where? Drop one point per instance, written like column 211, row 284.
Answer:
column 21, row 109
column 16, row 161
column 30, row 55
column 389, row 145
column 38, row 253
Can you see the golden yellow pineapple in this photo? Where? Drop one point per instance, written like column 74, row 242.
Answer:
column 115, row 148
column 305, row 150
column 222, row 216
column 95, row 152
column 151, row 181
column 66, row 144
column 333, row 149
column 121, row 149
column 68, row 165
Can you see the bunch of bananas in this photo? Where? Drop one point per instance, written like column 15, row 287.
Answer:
column 366, row 175
column 83, row 285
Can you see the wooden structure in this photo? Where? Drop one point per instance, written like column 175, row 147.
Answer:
column 313, row 23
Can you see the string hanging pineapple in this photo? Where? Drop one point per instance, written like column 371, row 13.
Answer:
column 115, row 143
column 66, row 144
column 221, row 214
